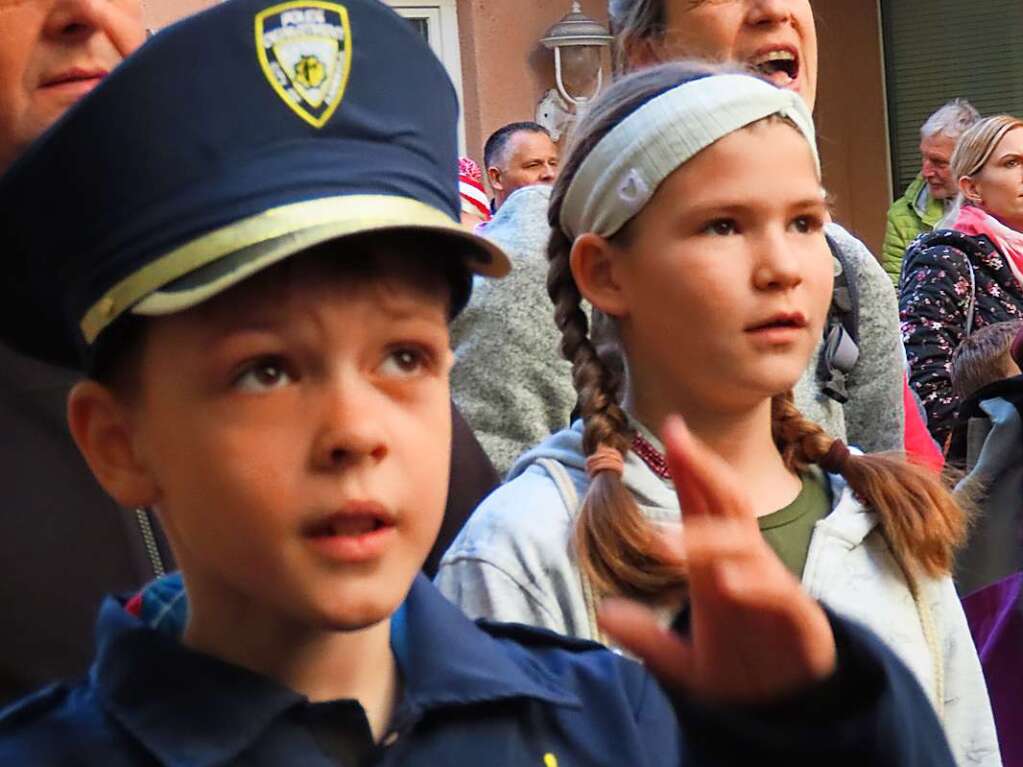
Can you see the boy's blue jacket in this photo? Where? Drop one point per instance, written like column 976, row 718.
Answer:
column 484, row 694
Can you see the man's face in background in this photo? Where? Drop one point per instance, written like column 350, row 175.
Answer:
column 53, row 52
column 935, row 153
column 529, row 158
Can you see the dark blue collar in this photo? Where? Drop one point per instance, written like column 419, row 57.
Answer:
column 446, row 659
column 186, row 707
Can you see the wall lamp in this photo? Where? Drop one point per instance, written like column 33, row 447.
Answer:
column 577, row 42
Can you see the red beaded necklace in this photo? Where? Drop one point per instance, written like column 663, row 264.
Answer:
column 651, row 456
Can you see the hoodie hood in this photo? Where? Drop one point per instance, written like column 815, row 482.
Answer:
column 654, row 495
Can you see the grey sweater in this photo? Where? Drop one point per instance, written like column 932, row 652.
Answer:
column 515, row 389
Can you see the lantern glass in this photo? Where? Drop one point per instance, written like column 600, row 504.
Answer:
column 580, row 65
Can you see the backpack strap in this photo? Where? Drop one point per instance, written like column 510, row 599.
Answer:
column 841, row 330
column 971, row 309
column 569, row 496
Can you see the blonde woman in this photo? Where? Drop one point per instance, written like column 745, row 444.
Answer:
column 969, row 273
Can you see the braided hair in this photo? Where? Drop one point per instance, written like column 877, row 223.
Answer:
column 920, row 520
column 612, row 537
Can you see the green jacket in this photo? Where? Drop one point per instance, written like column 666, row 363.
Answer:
column 912, row 214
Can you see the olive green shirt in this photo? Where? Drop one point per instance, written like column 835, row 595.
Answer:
column 788, row 531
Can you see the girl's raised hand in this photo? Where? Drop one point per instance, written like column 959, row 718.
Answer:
column 755, row 634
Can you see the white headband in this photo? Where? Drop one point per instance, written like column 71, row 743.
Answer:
column 622, row 172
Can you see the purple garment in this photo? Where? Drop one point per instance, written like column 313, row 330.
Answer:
column 995, row 615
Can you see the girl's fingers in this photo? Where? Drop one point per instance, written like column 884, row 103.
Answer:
column 124, row 28
column 667, row 543
column 705, row 483
column 635, row 629
column 692, row 495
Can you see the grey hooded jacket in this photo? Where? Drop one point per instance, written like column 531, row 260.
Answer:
column 514, row 562
column 515, row 389
column 994, row 418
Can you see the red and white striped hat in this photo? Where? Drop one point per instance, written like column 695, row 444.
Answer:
column 470, row 187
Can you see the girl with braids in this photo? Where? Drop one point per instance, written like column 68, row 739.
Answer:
column 861, row 402
column 690, row 213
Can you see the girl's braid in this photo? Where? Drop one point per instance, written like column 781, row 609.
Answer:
column 596, row 385
column 612, row 536
column 920, row 519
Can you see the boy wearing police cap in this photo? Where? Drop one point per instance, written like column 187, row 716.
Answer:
column 260, row 297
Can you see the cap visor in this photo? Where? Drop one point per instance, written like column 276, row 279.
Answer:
column 205, row 282
column 218, row 260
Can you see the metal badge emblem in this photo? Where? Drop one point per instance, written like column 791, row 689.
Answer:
column 305, row 51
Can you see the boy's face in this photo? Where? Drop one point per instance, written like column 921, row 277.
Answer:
column 297, row 434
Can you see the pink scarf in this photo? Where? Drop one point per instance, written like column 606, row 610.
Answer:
column 974, row 221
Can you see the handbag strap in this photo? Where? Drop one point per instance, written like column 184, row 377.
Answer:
column 569, row 496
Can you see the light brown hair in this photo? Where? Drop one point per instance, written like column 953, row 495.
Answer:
column 634, row 21
column 920, row 520
column 983, row 357
column 976, row 145
column 973, row 149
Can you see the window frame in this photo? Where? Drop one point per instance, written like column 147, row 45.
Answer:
column 442, row 28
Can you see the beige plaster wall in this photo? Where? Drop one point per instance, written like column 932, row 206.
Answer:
column 160, row 13
column 851, row 116
column 505, row 70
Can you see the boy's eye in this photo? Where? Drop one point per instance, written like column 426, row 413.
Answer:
column 722, row 226
column 405, row 361
column 264, row 375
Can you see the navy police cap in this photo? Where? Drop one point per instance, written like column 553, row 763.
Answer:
column 229, row 141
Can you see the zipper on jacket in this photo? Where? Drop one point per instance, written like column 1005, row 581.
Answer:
column 149, row 540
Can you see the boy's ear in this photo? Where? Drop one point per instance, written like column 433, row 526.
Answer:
column 593, row 266
column 101, row 428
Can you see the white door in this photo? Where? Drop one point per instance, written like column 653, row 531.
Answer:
column 437, row 22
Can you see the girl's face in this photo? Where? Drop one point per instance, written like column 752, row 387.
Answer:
column 998, row 188
column 774, row 37
column 726, row 276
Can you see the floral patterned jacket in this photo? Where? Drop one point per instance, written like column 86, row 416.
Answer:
column 934, row 303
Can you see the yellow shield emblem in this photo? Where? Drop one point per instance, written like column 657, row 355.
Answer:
column 305, row 50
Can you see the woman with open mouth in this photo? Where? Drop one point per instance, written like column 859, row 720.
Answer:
column 777, row 40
